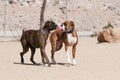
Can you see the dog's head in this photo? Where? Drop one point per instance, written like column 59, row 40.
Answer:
column 68, row 26
column 50, row 25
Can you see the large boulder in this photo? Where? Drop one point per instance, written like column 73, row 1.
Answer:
column 109, row 35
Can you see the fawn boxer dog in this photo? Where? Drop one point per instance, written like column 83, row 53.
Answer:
column 36, row 39
column 67, row 35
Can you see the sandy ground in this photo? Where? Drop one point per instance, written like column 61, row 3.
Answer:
column 94, row 62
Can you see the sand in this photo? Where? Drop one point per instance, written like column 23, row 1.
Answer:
column 94, row 62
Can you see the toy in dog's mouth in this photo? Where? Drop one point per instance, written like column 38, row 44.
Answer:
column 59, row 28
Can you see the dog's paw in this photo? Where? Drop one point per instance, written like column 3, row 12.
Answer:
column 53, row 61
column 46, row 65
column 74, row 62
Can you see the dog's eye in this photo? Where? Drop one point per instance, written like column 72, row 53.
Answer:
column 65, row 24
column 72, row 24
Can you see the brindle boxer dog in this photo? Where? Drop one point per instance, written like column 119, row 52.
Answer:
column 36, row 39
column 66, row 35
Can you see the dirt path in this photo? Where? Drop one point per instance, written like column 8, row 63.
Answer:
column 94, row 62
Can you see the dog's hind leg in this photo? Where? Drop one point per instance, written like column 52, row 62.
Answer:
column 32, row 55
column 52, row 57
column 58, row 45
column 25, row 49
column 68, row 55
column 53, row 45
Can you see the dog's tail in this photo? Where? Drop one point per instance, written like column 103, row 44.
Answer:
column 23, row 39
column 23, row 31
column 23, row 34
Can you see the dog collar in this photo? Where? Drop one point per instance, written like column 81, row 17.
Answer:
column 70, row 31
column 46, row 31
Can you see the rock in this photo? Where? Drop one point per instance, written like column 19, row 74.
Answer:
column 109, row 35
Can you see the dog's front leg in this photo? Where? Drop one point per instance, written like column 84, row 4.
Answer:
column 42, row 56
column 43, row 53
column 73, row 54
column 68, row 55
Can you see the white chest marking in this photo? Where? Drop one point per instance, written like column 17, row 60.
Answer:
column 72, row 40
column 63, row 27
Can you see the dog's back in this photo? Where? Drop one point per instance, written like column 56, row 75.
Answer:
column 30, row 38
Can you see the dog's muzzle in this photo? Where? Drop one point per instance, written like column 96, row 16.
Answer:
column 70, row 31
column 54, row 26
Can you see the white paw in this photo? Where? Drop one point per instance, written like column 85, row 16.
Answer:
column 74, row 61
column 69, row 61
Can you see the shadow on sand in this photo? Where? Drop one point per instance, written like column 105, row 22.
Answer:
column 39, row 64
column 63, row 64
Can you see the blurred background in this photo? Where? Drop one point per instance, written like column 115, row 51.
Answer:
column 89, row 15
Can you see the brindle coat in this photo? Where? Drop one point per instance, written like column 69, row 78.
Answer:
column 36, row 39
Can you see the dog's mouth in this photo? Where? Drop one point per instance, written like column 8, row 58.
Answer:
column 69, row 30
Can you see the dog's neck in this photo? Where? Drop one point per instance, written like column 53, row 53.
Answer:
column 70, row 31
column 46, row 31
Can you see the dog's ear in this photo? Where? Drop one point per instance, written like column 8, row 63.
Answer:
column 63, row 25
column 47, row 23
column 72, row 23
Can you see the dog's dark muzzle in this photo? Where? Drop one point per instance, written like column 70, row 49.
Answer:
column 54, row 26
column 69, row 31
